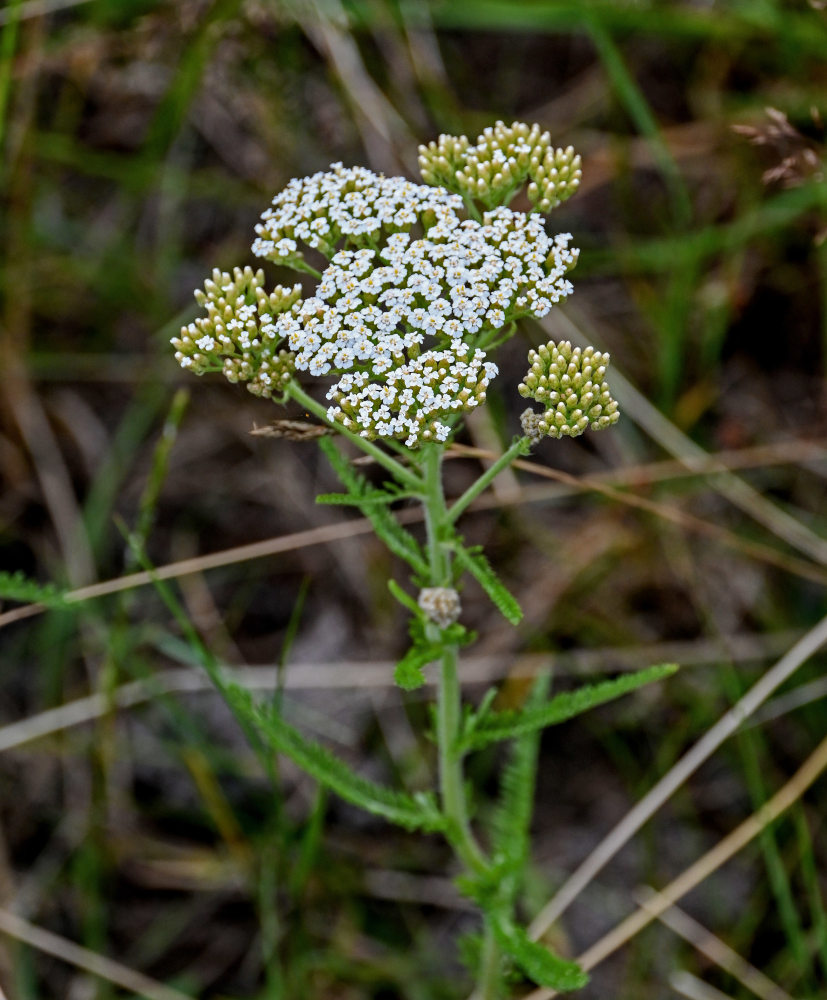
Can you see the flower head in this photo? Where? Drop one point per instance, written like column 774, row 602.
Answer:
column 400, row 325
column 571, row 385
column 440, row 604
column 346, row 205
column 237, row 335
column 501, row 160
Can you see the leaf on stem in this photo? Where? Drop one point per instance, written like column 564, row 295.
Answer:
column 505, row 725
column 408, row 671
column 357, row 499
column 512, row 819
column 331, row 771
column 479, row 567
column 538, row 962
column 401, row 542
column 18, row 587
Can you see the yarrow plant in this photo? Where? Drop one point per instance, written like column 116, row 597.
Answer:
column 409, row 290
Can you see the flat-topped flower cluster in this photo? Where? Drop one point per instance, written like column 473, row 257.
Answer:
column 413, row 293
column 346, row 203
column 375, row 310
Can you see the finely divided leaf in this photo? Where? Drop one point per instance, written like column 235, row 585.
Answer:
column 357, row 499
column 505, row 725
column 539, row 963
column 332, row 772
column 408, row 672
column 405, row 599
column 18, row 587
column 479, row 567
column 401, row 542
column 513, row 815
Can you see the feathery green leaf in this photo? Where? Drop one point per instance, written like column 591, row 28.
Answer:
column 401, row 542
column 408, row 672
column 512, row 819
column 406, row 600
column 329, row 770
column 479, row 567
column 18, row 587
column 538, row 962
column 505, row 725
column 357, row 499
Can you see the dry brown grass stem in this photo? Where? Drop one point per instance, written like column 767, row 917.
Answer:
column 82, row 958
column 378, row 674
column 753, row 550
column 675, row 777
column 713, row 948
column 647, row 416
column 710, row 862
column 636, row 475
column 692, row 988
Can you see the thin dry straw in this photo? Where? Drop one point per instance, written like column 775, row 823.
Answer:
column 677, row 775
column 82, row 958
column 707, row 864
column 374, row 674
column 797, row 450
column 692, row 988
column 713, row 948
column 662, row 430
column 226, row 557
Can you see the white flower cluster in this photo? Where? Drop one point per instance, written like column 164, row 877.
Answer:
column 571, row 383
column 415, row 398
column 346, row 203
column 503, row 157
column 373, row 311
column 237, row 336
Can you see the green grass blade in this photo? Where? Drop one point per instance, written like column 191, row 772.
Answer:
column 809, row 871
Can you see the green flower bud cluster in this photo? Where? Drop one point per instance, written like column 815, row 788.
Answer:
column 238, row 336
column 503, row 158
column 571, row 384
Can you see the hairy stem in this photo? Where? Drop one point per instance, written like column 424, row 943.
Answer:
column 449, row 699
column 397, row 470
column 488, row 980
column 474, row 490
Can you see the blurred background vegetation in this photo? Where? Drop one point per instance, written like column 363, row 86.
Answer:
column 141, row 139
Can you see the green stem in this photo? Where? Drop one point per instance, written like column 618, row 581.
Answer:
column 396, row 469
column 303, row 267
column 491, row 473
column 449, row 696
column 488, row 982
